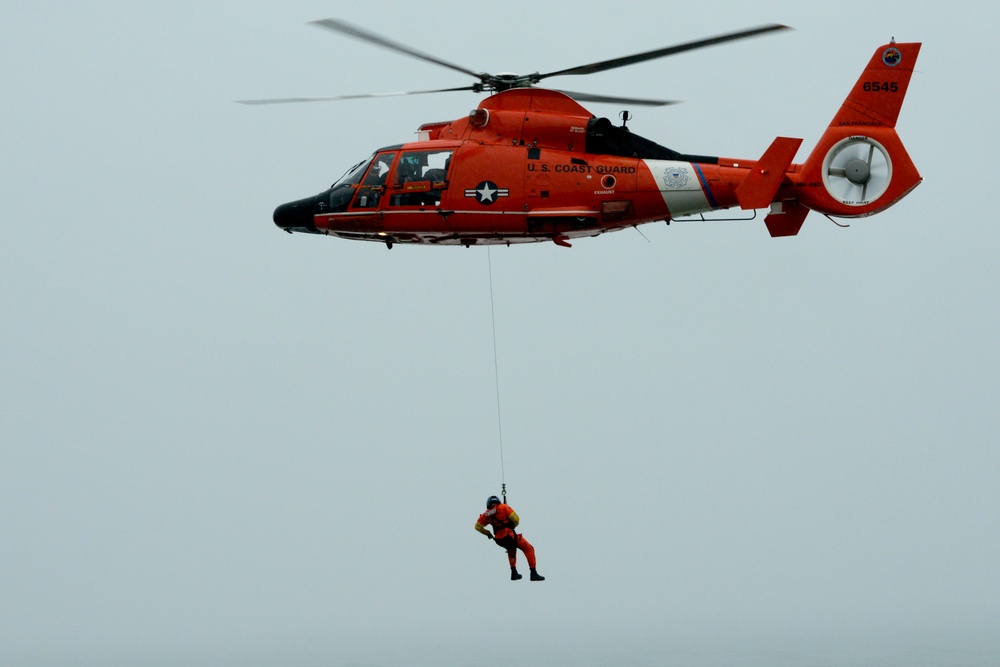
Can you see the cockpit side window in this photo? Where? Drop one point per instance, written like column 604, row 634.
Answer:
column 370, row 192
column 420, row 178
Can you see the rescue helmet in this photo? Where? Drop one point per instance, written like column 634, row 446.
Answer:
column 492, row 502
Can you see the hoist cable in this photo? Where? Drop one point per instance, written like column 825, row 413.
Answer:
column 496, row 374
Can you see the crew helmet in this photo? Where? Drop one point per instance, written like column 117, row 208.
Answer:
column 492, row 502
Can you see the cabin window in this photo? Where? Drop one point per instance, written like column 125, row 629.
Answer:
column 420, row 178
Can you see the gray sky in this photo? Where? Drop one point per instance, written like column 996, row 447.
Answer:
column 221, row 444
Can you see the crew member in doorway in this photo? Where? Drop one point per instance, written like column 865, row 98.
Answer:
column 504, row 520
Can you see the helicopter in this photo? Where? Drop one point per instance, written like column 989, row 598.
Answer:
column 531, row 164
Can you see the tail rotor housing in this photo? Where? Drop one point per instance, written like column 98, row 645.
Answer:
column 857, row 170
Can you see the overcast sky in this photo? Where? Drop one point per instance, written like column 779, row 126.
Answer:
column 222, row 444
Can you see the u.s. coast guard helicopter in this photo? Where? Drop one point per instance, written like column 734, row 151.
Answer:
column 532, row 164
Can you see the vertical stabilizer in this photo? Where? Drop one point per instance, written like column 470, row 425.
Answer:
column 878, row 95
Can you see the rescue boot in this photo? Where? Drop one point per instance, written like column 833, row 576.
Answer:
column 514, row 576
column 535, row 576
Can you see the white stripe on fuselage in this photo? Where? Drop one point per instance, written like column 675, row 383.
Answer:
column 680, row 186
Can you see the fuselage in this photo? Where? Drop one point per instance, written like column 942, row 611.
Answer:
column 520, row 172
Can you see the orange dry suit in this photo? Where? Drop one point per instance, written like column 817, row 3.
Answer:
column 504, row 520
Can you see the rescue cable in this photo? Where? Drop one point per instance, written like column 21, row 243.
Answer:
column 496, row 376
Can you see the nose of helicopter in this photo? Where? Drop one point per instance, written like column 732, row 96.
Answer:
column 297, row 216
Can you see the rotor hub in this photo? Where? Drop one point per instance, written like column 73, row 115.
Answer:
column 857, row 171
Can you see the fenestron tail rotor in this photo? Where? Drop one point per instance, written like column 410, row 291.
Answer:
column 857, row 170
column 493, row 83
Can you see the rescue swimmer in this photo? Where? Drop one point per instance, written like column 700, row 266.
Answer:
column 504, row 520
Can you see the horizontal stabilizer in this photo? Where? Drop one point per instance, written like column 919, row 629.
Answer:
column 759, row 187
column 786, row 218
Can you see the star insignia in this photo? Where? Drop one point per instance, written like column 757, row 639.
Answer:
column 487, row 192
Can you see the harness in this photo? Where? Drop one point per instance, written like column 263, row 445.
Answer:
column 507, row 541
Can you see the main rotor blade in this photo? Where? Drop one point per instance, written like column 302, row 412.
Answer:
column 638, row 101
column 668, row 51
column 292, row 100
column 364, row 35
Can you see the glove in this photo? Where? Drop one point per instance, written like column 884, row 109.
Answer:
column 489, row 536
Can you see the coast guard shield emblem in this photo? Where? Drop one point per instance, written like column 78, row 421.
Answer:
column 676, row 177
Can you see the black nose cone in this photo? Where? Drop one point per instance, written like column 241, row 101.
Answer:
column 297, row 216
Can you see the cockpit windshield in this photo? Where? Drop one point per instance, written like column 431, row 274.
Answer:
column 354, row 174
column 341, row 192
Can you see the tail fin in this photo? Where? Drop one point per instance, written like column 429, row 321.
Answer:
column 859, row 167
column 878, row 95
column 757, row 190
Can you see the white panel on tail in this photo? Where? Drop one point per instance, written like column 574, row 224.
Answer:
column 680, row 186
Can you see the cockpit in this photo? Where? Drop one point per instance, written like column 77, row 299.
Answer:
column 419, row 179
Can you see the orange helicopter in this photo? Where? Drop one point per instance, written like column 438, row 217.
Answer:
column 531, row 164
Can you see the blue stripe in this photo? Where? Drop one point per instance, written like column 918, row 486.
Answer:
column 704, row 185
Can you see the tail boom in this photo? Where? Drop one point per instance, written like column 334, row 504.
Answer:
column 858, row 168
